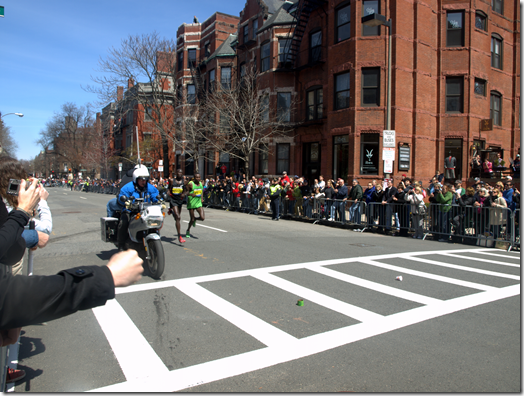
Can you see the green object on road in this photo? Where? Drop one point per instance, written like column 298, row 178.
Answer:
column 300, row 303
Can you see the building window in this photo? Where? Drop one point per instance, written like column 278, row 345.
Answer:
column 180, row 60
column 496, row 5
column 242, row 70
column 340, row 157
column 495, row 108
column 371, row 86
column 455, row 26
column 255, row 64
column 284, row 45
column 191, row 58
column 369, row 154
column 255, row 28
column 315, row 102
column 147, row 114
column 342, row 91
column 263, row 161
column 264, row 104
column 496, row 52
column 191, row 94
column 284, row 106
column 207, row 50
column 211, row 80
column 343, row 23
column 315, row 47
column 282, row 158
column 370, row 7
column 480, row 87
column 480, row 21
column 264, row 57
column 210, row 162
column 246, row 33
column 454, row 95
column 225, row 77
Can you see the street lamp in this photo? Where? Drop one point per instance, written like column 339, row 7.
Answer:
column 18, row 114
column 377, row 20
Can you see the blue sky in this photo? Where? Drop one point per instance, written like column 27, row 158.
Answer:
column 49, row 50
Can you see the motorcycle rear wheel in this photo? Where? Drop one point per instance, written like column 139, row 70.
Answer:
column 156, row 262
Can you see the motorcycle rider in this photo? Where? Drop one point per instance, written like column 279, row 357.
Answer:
column 176, row 197
column 138, row 188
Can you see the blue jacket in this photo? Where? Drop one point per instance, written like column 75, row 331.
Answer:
column 508, row 196
column 129, row 190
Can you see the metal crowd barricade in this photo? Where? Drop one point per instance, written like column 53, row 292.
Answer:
column 515, row 224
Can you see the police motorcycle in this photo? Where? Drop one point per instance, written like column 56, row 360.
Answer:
column 145, row 222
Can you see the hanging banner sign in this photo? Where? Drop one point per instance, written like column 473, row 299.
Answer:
column 388, row 166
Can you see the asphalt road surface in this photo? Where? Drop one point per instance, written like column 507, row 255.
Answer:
column 225, row 315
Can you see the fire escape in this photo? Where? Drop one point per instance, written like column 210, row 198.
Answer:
column 301, row 11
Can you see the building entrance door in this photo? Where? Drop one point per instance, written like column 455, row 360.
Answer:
column 311, row 161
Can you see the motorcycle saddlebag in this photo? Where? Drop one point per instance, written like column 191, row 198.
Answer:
column 108, row 226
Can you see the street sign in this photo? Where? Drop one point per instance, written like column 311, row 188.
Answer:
column 160, row 168
column 160, row 162
column 388, row 139
column 388, row 153
column 388, row 166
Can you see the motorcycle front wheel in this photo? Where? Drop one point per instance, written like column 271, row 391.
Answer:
column 155, row 262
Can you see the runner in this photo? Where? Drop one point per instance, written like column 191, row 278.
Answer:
column 176, row 197
column 194, row 201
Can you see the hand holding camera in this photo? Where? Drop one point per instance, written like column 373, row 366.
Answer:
column 28, row 195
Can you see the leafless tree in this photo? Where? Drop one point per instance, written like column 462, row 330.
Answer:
column 70, row 135
column 146, row 65
column 8, row 145
column 241, row 119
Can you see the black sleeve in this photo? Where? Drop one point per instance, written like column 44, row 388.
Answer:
column 29, row 300
column 12, row 245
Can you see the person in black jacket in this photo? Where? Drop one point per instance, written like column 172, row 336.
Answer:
column 377, row 209
column 29, row 300
column 387, row 200
column 402, row 210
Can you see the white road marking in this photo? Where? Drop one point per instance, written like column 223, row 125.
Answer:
column 360, row 314
column 482, row 259
column 134, row 354
column 501, row 255
column 201, row 225
column 82, row 198
column 247, row 362
column 282, row 347
column 461, row 267
column 257, row 328
column 376, row 286
column 429, row 276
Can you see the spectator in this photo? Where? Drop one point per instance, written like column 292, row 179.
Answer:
column 274, row 196
column 508, row 195
column 418, row 211
column 401, row 210
column 329, row 193
column 341, row 196
column 487, row 167
column 355, row 195
column 297, row 193
column 377, row 209
column 444, row 199
column 285, row 177
column 387, row 200
column 497, row 215
column 321, row 183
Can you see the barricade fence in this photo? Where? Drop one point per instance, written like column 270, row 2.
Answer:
column 481, row 226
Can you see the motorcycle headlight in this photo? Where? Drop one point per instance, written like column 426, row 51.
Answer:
column 154, row 222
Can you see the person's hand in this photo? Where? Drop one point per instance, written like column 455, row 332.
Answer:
column 126, row 268
column 9, row 337
column 44, row 194
column 28, row 199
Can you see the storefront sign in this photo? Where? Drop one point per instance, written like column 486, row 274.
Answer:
column 404, row 152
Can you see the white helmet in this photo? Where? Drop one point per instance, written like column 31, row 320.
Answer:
column 140, row 172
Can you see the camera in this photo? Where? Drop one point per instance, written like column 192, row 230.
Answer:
column 13, row 188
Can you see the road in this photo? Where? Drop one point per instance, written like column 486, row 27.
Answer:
column 224, row 317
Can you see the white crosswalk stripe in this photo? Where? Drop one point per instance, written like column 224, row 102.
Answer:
column 282, row 347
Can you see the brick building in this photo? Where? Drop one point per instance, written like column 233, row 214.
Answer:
column 454, row 66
